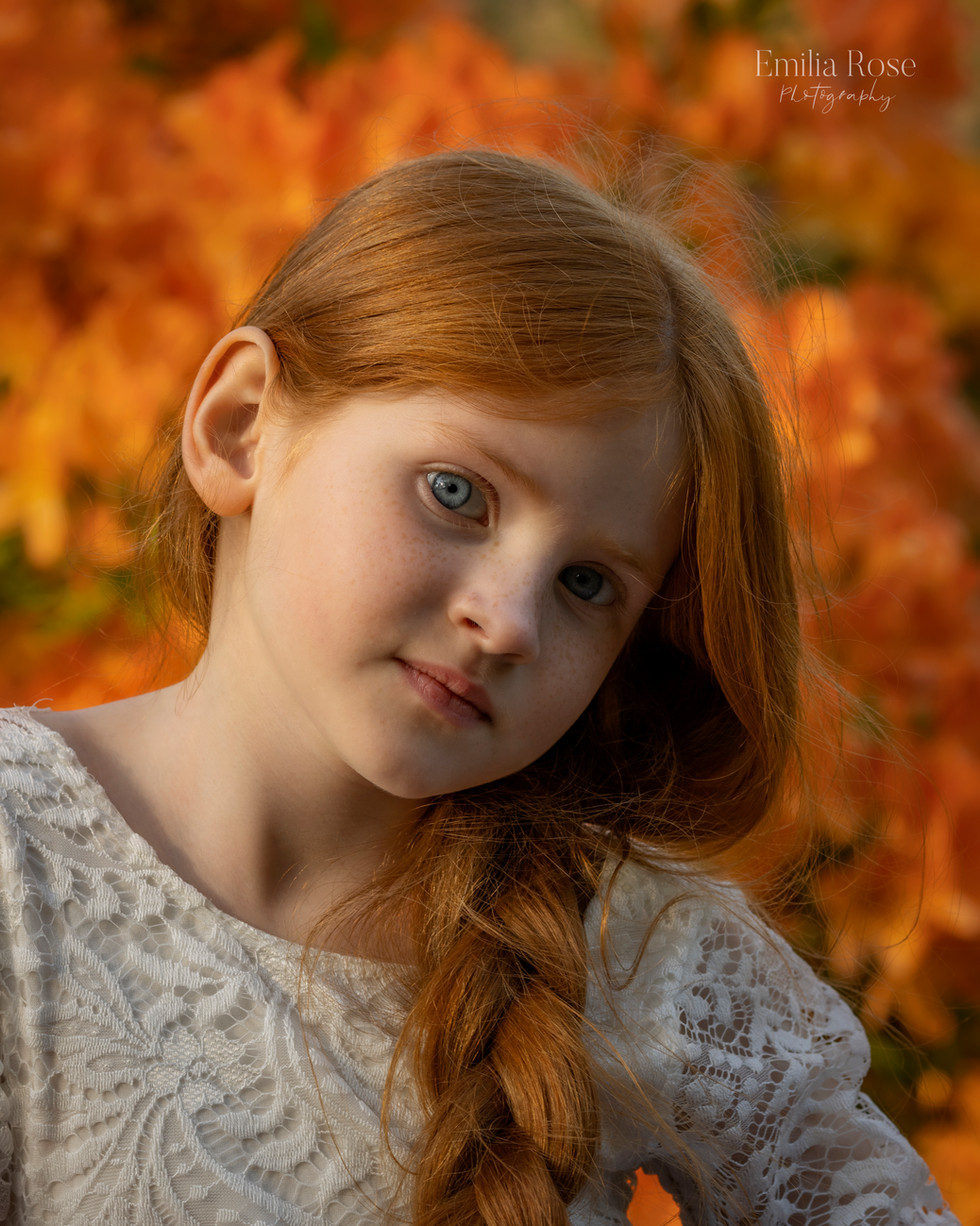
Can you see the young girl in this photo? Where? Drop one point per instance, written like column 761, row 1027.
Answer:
column 481, row 512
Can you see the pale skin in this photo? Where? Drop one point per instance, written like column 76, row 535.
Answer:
column 413, row 595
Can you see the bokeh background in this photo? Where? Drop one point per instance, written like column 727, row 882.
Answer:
column 157, row 155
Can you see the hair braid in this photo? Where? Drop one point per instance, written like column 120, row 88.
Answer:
column 512, row 1121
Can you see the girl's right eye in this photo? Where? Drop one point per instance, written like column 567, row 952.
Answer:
column 456, row 493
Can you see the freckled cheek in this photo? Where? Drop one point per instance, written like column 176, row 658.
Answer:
column 573, row 673
column 361, row 572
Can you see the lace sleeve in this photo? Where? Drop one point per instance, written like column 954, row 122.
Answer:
column 755, row 1068
column 10, row 884
column 6, row 1154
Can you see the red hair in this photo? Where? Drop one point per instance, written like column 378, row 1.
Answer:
column 509, row 281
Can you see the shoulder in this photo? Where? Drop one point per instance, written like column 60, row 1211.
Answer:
column 54, row 817
column 655, row 931
column 683, row 963
column 32, row 768
column 40, row 776
column 33, row 758
column 747, row 1063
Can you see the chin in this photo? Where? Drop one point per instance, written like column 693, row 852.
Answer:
column 413, row 782
column 426, row 789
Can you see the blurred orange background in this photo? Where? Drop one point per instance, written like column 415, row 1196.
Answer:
column 157, row 156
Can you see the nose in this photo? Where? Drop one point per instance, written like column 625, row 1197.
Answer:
column 501, row 609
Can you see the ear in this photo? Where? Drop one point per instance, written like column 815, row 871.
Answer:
column 222, row 423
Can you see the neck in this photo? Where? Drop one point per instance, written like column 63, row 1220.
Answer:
column 241, row 800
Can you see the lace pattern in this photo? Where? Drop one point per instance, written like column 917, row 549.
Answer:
column 156, row 1070
column 755, row 1066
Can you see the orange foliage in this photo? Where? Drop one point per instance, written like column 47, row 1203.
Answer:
column 896, row 463
column 651, row 1205
column 951, row 1146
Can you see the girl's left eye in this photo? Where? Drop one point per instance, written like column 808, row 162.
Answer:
column 457, row 494
column 587, row 584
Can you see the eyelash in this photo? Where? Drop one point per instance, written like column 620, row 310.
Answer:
column 489, row 496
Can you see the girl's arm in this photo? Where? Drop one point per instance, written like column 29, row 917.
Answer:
column 754, row 1067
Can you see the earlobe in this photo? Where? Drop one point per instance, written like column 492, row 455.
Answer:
column 223, row 421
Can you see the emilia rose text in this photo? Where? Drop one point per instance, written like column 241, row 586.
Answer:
column 810, row 64
column 865, row 73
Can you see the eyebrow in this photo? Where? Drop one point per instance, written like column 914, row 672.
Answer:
column 514, row 474
column 631, row 561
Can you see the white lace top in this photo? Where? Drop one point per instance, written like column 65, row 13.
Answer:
column 155, row 1071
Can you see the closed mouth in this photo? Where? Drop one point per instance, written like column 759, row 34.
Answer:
column 451, row 689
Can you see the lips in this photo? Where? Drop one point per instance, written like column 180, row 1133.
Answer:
column 449, row 692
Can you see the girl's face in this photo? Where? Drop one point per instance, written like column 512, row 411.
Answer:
column 435, row 592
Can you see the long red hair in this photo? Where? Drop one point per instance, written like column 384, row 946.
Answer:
column 508, row 280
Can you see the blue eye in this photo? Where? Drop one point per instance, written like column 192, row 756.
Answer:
column 586, row 583
column 455, row 493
